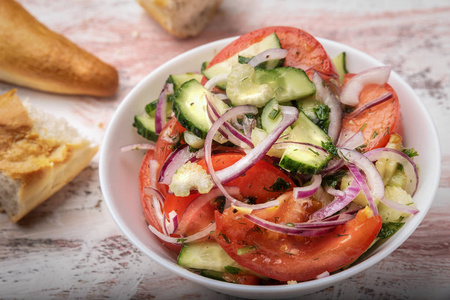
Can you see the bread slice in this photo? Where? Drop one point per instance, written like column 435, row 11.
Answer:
column 39, row 154
column 33, row 56
column 182, row 18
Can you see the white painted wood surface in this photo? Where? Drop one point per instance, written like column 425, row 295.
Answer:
column 70, row 248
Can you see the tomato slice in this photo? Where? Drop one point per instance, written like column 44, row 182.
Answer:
column 262, row 182
column 304, row 51
column 379, row 122
column 169, row 137
column 286, row 257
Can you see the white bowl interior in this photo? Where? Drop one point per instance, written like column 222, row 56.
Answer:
column 119, row 171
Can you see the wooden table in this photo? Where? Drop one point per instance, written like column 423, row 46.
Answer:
column 70, row 248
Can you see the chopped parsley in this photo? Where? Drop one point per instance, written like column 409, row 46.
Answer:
column 280, row 185
column 331, row 148
column 322, row 113
column 333, row 179
column 410, row 152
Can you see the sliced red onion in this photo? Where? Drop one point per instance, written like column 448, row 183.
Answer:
column 290, row 114
column 210, row 84
column 173, row 162
column 374, row 180
column 227, row 130
column 351, row 90
column 188, row 239
column 200, row 202
column 381, row 99
column 350, row 140
column 334, row 192
column 338, row 203
column 157, row 202
column 333, row 165
column 308, row 191
column 409, row 167
column 151, row 191
column 323, row 275
column 161, row 107
column 170, row 223
column 132, row 147
column 269, row 54
column 359, row 178
column 324, row 95
column 153, row 166
column 400, row 207
column 289, row 229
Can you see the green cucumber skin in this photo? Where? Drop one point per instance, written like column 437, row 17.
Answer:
column 225, row 66
column 303, row 162
column 340, row 62
column 294, row 165
column 197, row 126
column 145, row 126
column 294, row 82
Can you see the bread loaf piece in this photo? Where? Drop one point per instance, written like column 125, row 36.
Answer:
column 182, row 18
column 39, row 154
column 33, row 56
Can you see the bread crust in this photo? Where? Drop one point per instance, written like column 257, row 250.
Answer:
column 33, row 168
column 182, row 18
column 32, row 55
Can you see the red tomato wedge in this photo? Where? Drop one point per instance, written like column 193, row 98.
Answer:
column 169, row 136
column 286, row 257
column 304, row 51
column 262, row 182
column 379, row 122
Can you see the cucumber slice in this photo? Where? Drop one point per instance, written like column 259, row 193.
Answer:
column 207, row 255
column 307, row 105
column 271, row 115
column 299, row 159
column 247, row 85
column 145, row 123
column 224, row 67
column 178, row 79
column 340, row 64
column 145, row 126
column 190, row 107
column 288, row 83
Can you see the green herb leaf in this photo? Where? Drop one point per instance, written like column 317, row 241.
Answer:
column 389, row 229
column 410, row 152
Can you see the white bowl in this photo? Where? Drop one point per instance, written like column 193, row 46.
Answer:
column 119, row 171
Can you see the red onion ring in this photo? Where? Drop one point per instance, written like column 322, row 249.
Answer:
column 170, row 223
column 290, row 230
column 180, row 240
column 351, row 90
column 290, row 114
column 308, row 191
column 381, row 99
column 227, row 130
column 173, row 162
column 399, row 206
column 132, row 147
column 410, row 168
column 269, row 54
column 201, row 201
column 374, row 180
column 338, row 203
column 160, row 112
column 324, row 95
column 210, row 84
column 333, row 165
column 350, row 140
column 358, row 177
